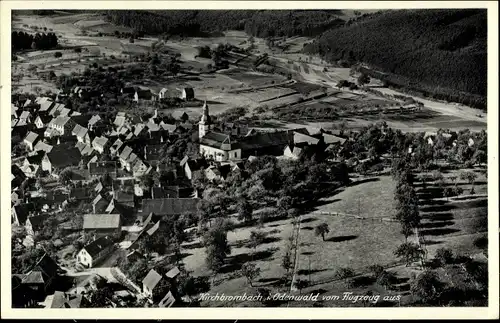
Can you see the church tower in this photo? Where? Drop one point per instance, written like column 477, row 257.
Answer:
column 204, row 124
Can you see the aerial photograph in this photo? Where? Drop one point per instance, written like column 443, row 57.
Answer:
column 249, row 158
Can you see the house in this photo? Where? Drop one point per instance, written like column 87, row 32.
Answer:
column 128, row 90
column 97, row 169
column 168, row 206
column 267, row 143
column 42, row 121
column 167, row 301
column 45, row 105
column 39, row 281
column 34, row 224
column 31, row 171
column 219, row 147
column 31, row 139
column 115, row 148
column 95, row 122
column 124, row 155
column 187, row 94
column 150, row 282
column 102, row 224
column 217, row 174
column 293, row 152
column 20, row 213
column 143, row 94
column 124, row 198
column 65, row 300
column 121, row 120
column 91, row 254
column 25, row 116
column 63, row 125
column 190, row 165
column 60, row 158
column 332, row 139
column 81, row 133
column 99, row 204
column 140, row 130
column 42, row 146
column 140, row 168
column 163, row 94
column 100, row 144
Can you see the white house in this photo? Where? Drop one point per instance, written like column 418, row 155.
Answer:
column 95, row 251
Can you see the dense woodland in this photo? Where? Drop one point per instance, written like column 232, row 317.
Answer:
column 260, row 23
column 439, row 53
column 22, row 40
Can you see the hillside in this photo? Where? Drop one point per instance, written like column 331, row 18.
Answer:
column 439, row 53
column 260, row 23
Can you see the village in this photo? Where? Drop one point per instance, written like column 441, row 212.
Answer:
column 145, row 182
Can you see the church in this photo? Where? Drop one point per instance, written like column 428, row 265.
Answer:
column 221, row 146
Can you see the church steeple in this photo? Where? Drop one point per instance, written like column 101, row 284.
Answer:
column 205, row 123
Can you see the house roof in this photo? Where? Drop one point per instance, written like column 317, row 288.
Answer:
column 168, row 127
column 100, row 141
column 34, row 277
column 153, row 228
column 266, row 139
column 47, row 266
column 36, row 221
column 44, row 118
column 153, row 126
column 101, row 221
column 31, row 137
column 121, row 196
column 87, row 150
column 117, row 145
column 79, row 131
column 216, row 140
column 167, row 301
column 330, row 139
column 172, row 273
column 60, row 121
column 22, row 211
column 125, row 153
column 46, row 104
column 63, row 157
column 94, row 119
column 301, row 138
column 169, row 206
column 98, row 245
column 25, row 115
column 152, row 279
column 139, row 128
column 41, row 146
column 64, row 300
column 97, row 168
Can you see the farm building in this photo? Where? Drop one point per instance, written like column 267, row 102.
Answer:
column 187, row 94
column 95, row 251
column 168, row 206
column 102, row 224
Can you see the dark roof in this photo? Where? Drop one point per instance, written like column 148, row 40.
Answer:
column 47, row 266
column 34, row 277
column 121, row 196
column 98, row 245
column 152, row 279
column 36, row 158
column 266, row 139
column 157, row 192
column 169, row 206
column 99, row 168
column 37, row 221
column 62, row 157
column 217, row 140
column 22, row 211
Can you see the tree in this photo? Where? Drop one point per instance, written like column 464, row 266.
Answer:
column 192, row 286
column 363, row 79
column 410, row 252
column 426, row 286
column 217, row 247
column 256, row 238
column 321, row 230
column 65, row 176
column 345, row 273
column 448, row 192
column 469, row 177
column 250, row 271
column 300, row 284
column 385, row 279
column 57, row 54
column 245, row 210
column 101, row 297
column 376, row 270
column 444, row 256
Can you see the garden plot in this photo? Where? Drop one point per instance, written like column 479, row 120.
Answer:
column 268, row 94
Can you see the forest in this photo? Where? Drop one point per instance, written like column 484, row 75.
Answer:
column 438, row 53
column 260, row 23
column 22, row 40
